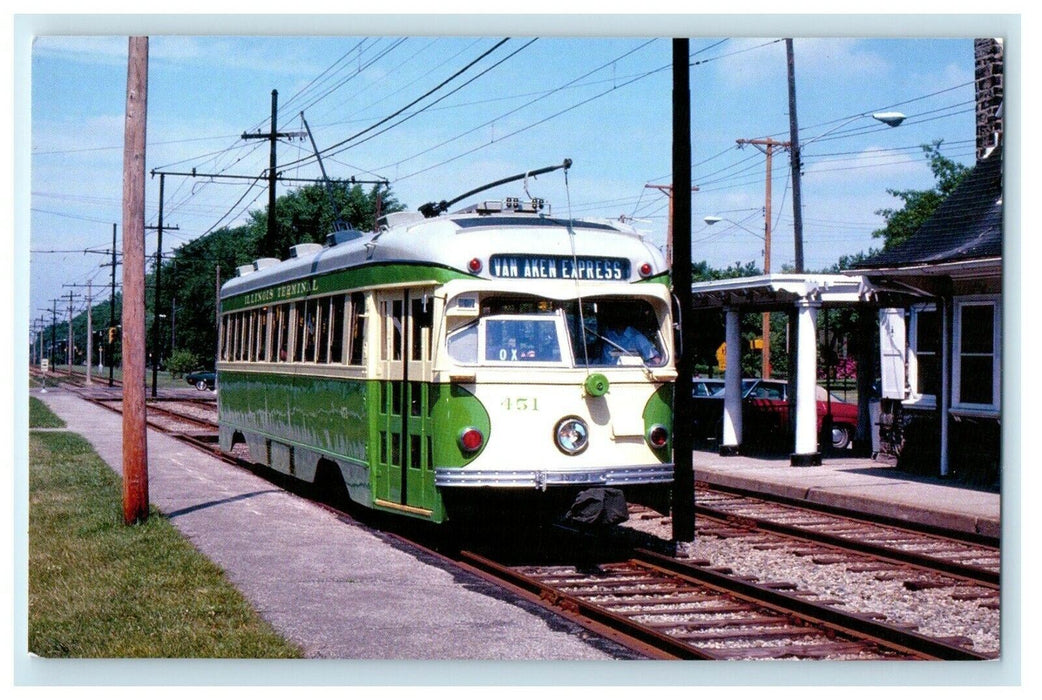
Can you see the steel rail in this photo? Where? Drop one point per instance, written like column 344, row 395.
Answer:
column 968, row 572
column 860, row 626
column 618, row 628
column 964, row 537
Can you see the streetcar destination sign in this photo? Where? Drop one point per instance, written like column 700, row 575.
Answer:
column 559, row 267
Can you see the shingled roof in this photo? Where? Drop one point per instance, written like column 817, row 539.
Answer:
column 967, row 226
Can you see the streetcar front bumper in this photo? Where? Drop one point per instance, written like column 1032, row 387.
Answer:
column 542, row 479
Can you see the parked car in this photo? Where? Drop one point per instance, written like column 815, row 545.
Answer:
column 202, row 380
column 765, row 411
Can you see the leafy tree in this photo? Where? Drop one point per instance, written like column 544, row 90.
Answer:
column 182, row 362
column 307, row 215
column 711, row 324
column 919, row 205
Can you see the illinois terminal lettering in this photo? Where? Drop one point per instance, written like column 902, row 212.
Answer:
column 285, row 291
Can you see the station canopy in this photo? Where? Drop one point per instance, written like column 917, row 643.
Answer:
column 782, row 291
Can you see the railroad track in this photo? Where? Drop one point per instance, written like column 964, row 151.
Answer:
column 671, row 609
column 972, row 558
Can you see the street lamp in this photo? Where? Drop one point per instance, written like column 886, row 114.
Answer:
column 710, row 220
column 889, row 118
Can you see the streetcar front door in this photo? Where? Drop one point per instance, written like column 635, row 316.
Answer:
column 403, row 477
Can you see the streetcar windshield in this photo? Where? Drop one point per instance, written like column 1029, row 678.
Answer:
column 606, row 332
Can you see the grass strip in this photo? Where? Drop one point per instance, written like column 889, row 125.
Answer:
column 40, row 416
column 101, row 589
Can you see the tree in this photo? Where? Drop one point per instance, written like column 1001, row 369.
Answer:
column 919, row 205
column 307, row 215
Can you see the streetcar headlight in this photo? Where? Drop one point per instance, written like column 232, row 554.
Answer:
column 471, row 440
column 572, row 435
column 658, row 436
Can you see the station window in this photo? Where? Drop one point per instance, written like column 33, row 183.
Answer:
column 976, row 370
column 924, row 356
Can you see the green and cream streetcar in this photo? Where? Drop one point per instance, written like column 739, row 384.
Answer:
column 456, row 362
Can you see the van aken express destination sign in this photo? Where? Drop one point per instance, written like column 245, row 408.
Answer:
column 559, row 267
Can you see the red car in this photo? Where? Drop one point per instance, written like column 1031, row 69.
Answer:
column 765, row 410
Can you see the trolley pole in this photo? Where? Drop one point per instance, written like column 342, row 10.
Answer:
column 135, row 437
column 683, row 408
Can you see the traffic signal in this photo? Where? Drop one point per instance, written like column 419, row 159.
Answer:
column 112, row 334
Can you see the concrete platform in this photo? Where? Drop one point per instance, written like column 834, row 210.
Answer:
column 860, row 484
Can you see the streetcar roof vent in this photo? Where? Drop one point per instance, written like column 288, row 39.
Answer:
column 342, row 236
column 398, row 218
column 304, row 249
column 261, row 263
column 245, row 270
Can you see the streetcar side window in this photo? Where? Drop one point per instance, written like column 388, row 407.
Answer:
column 357, row 328
column 262, row 334
column 392, row 312
column 280, row 332
column 238, row 336
column 336, row 328
column 224, row 338
column 322, row 331
column 422, row 322
column 249, row 318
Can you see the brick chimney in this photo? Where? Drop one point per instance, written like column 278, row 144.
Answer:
column 987, row 55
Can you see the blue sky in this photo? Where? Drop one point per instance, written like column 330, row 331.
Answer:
column 603, row 102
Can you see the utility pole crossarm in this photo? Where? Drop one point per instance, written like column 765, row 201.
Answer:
column 668, row 191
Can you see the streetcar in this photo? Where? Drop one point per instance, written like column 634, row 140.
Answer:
column 455, row 364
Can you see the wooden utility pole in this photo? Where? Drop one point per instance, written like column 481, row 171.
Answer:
column 668, row 191
column 135, row 437
column 767, row 146
column 90, row 333
column 156, row 343
column 794, row 150
column 70, row 342
column 272, row 136
column 683, row 510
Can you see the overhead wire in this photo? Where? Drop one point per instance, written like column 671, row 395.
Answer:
column 341, row 145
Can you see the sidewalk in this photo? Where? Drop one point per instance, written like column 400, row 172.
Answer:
column 860, row 484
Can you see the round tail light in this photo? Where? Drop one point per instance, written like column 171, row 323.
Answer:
column 658, row 436
column 471, row 440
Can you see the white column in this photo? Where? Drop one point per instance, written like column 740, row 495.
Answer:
column 732, row 429
column 806, row 382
